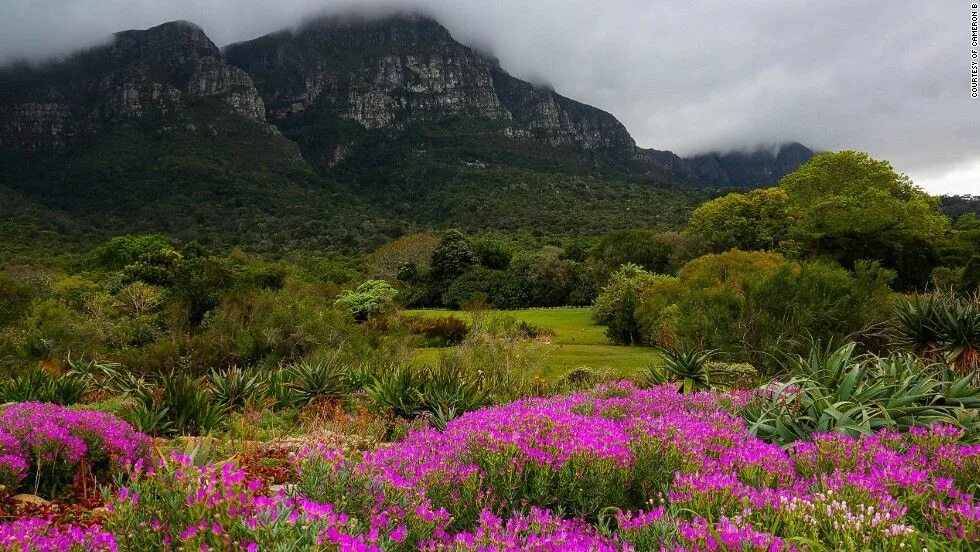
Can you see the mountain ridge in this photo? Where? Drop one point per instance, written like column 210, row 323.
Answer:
column 343, row 130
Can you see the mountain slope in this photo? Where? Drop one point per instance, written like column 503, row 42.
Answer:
column 341, row 133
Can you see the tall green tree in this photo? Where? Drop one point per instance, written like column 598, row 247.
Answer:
column 452, row 257
column 849, row 206
column 756, row 220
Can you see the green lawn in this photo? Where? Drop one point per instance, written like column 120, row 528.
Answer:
column 577, row 342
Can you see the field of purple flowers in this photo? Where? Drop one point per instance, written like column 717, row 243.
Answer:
column 617, row 468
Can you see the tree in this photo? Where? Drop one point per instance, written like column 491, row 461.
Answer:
column 616, row 305
column 369, row 299
column 757, row 220
column 643, row 248
column 124, row 250
column 849, row 206
column 493, row 253
column 451, row 258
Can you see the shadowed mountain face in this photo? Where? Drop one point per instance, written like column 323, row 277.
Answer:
column 153, row 75
column 736, row 169
column 389, row 121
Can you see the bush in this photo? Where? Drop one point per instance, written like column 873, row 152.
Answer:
column 395, row 390
column 182, row 404
column 319, row 379
column 439, row 332
column 476, row 286
column 616, row 306
column 747, row 304
column 579, row 379
column 235, row 388
column 731, row 375
column 941, row 326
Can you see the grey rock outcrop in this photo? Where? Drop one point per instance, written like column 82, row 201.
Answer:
column 384, row 73
column 141, row 74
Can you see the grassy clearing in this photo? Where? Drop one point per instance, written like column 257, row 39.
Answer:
column 577, row 342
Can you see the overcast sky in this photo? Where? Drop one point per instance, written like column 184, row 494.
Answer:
column 888, row 77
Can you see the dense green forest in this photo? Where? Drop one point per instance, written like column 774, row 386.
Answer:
column 820, row 256
column 840, row 306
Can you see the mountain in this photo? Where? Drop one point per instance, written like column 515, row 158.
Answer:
column 156, row 75
column 343, row 132
column 763, row 167
column 393, row 72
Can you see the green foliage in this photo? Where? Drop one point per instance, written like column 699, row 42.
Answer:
column 940, row 327
column 747, row 304
column 181, row 404
column 852, row 207
column 372, row 298
column 640, row 247
column 395, row 390
column 616, row 305
column 121, row 251
column 439, row 332
column 40, row 386
column 200, row 282
column 579, row 379
column 731, row 375
column 492, row 253
column 833, row 390
column 235, row 388
column 446, row 394
column 843, row 205
column 690, row 367
column 318, row 379
column 452, row 257
column 755, row 220
column 14, row 299
column 474, row 287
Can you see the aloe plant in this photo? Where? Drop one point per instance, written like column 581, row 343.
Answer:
column 833, row 390
column 690, row 367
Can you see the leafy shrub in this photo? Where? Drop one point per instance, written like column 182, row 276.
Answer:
column 182, row 404
column 446, row 393
column 747, row 304
column 731, row 375
column 527, row 330
column 476, row 286
column 616, row 306
column 690, row 367
column 578, row 379
column 44, row 447
column 452, row 257
column 395, row 390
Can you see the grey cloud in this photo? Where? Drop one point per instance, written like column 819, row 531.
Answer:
column 891, row 78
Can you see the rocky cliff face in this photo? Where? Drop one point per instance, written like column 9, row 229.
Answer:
column 379, row 73
column 388, row 72
column 155, row 73
column 366, row 74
